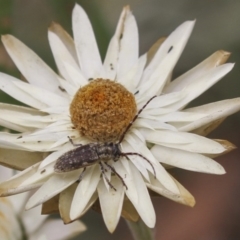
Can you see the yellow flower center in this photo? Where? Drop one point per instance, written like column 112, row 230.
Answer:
column 102, row 110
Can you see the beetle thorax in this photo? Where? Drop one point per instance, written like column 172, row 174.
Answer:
column 109, row 151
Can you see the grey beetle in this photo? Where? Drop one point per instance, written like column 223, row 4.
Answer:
column 89, row 154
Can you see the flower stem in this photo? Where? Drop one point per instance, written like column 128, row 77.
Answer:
column 140, row 231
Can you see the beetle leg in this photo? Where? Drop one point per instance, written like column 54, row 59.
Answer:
column 104, row 175
column 140, row 155
column 75, row 145
column 81, row 175
column 114, row 171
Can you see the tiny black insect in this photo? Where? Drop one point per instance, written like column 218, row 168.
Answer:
column 170, row 49
column 89, row 154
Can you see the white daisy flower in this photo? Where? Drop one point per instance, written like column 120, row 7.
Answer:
column 94, row 102
column 16, row 223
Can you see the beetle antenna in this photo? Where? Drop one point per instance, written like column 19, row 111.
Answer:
column 114, row 171
column 137, row 154
column 74, row 144
column 104, row 175
column 134, row 119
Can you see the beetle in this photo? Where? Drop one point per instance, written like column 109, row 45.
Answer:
column 89, row 154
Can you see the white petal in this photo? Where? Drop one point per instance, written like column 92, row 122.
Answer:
column 137, row 134
column 185, row 141
column 7, row 85
column 183, row 197
column 27, row 142
column 12, row 186
column 68, row 87
column 124, row 163
column 84, row 191
column 64, row 202
column 56, row 127
column 75, row 75
column 65, row 38
column 149, row 113
column 87, row 49
column 161, row 174
column 137, row 145
column 181, row 116
column 165, row 100
column 112, row 55
column 12, row 117
column 13, row 126
column 213, row 111
column 163, row 62
column 131, row 78
column 186, row 160
column 56, row 110
column 60, row 142
column 21, row 121
column 128, row 54
column 34, row 121
column 55, row 155
column 154, row 48
column 52, row 187
column 136, row 160
column 30, row 65
column 111, row 212
column 139, row 196
column 142, row 61
column 20, row 110
column 46, row 97
column 108, row 176
column 43, row 137
column 91, row 201
column 152, row 124
column 8, row 141
column 200, row 85
column 39, row 176
column 61, row 54
column 197, row 72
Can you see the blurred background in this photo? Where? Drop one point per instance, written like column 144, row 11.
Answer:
column 216, row 215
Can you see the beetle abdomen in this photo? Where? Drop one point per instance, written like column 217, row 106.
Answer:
column 77, row 158
column 87, row 155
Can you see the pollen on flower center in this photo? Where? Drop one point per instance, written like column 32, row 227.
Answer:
column 102, row 110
